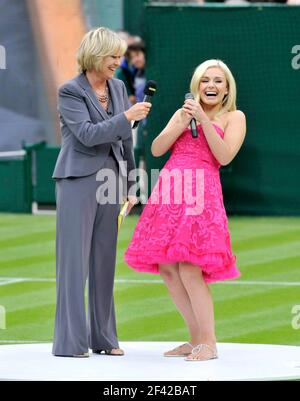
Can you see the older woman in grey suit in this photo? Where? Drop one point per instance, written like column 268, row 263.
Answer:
column 95, row 117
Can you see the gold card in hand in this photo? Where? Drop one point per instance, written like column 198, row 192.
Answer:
column 122, row 214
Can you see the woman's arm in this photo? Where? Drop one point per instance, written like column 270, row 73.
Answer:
column 162, row 143
column 75, row 113
column 227, row 148
column 224, row 149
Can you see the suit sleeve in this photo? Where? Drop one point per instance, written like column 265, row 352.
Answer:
column 73, row 110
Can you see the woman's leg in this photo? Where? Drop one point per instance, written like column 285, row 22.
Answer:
column 102, row 319
column 180, row 297
column 202, row 305
column 76, row 209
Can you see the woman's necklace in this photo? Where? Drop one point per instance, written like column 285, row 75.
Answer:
column 103, row 98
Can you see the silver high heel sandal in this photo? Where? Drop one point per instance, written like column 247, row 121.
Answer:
column 177, row 351
column 196, row 350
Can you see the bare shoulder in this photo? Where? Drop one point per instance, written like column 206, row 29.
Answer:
column 236, row 116
column 229, row 117
column 235, row 127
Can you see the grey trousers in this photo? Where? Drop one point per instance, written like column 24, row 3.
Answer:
column 86, row 238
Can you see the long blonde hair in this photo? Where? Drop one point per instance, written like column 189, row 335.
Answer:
column 229, row 101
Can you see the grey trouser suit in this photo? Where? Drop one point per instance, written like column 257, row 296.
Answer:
column 86, row 233
column 81, row 220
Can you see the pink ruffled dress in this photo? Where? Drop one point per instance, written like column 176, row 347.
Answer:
column 184, row 218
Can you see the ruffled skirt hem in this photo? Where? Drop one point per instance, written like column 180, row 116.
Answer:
column 218, row 266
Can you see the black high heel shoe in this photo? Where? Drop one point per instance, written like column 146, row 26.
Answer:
column 111, row 352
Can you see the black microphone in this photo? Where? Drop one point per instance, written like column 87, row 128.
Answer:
column 149, row 91
column 193, row 123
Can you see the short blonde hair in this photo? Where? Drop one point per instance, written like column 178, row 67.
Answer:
column 97, row 44
column 229, row 101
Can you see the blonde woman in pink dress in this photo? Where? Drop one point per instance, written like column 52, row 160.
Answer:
column 187, row 242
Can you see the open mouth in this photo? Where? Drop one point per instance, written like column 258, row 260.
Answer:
column 211, row 94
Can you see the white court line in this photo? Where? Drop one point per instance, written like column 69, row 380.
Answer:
column 254, row 282
column 13, row 280
column 7, row 281
column 22, row 342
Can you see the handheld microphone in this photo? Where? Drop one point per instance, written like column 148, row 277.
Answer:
column 149, row 91
column 193, row 123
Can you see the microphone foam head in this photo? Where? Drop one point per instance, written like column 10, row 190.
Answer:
column 150, row 88
column 188, row 96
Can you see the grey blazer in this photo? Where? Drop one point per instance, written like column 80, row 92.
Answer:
column 88, row 132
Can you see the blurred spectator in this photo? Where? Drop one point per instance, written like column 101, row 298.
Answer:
column 126, row 72
column 137, row 59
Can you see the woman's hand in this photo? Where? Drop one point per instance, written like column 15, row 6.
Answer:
column 184, row 119
column 138, row 111
column 132, row 201
column 194, row 110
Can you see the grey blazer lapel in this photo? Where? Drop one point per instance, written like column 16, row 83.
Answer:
column 114, row 96
column 84, row 83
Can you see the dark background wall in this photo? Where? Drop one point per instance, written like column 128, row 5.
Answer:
column 256, row 42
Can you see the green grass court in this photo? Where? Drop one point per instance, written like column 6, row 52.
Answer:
column 257, row 308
